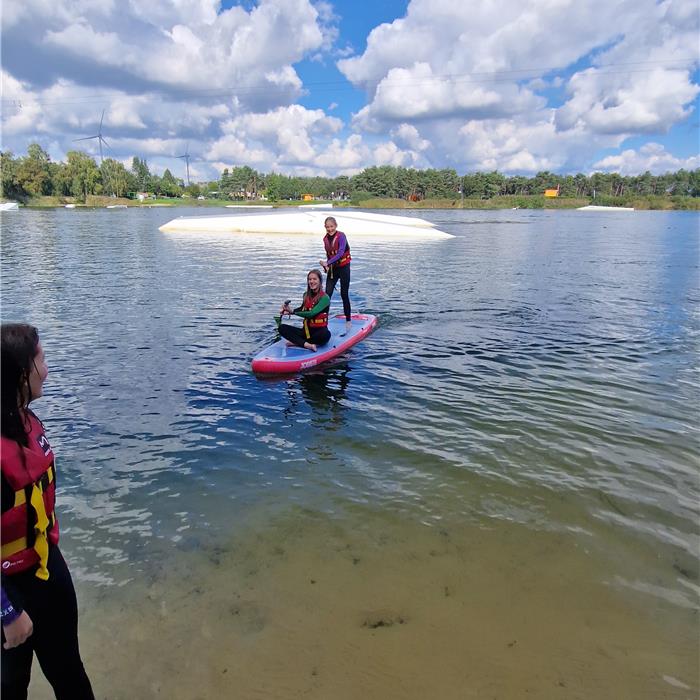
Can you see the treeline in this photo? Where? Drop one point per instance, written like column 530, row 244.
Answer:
column 410, row 184
column 36, row 175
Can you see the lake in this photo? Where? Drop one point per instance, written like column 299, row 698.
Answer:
column 494, row 495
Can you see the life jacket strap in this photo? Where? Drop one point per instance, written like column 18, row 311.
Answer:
column 41, row 541
column 46, row 479
column 44, row 522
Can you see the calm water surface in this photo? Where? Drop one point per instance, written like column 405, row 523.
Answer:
column 533, row 380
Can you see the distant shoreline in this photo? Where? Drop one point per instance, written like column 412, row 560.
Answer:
column 504, row 202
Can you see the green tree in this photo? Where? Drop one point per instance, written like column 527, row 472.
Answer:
column 582, row 187
column 83, row 174
column 60, row 179
column 9, row 186
column 33, row 174
column 225, row 183
column 694, row 183
column 140, row 170
column 473, row 184
column 274, row 187
column 193, row 189
column 169, row 185
column 682, row 182
column 114, row 177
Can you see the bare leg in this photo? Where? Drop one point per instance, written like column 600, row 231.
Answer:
column 310, row 346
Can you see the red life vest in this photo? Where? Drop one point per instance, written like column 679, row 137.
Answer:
column 30, row 524
column 317, row 321
column 332, row 249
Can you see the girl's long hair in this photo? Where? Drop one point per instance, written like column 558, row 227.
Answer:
column 309, row 294
column 19, row 343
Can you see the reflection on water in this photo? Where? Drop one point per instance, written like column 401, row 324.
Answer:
column 324, row 391
column 530, row 390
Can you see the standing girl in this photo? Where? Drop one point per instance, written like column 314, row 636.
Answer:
column 39, row 608
column 337, row 266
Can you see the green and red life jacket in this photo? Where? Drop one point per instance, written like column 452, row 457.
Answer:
column 30, row 524
column 317, row 321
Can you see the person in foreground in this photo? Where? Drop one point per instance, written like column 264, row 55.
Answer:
column 39, row 607
column 337, row 266
column 314, row 311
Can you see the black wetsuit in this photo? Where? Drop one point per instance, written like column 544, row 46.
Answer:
column 53, row 609
column 338, row 272
column 317, row 336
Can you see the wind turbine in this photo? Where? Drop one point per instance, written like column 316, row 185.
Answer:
column 186, row 156
column 98, row 136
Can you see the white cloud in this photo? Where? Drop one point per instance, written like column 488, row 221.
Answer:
column 613, row 104
column 652, row 157
column 508, row 146
column 343, row 157
column 468, row 75
column 452, row 84
column 20, row 113
column 417, row 93
column 294, row 133
column 103, row 47
column 163, row 12
column 328, row 25
column 175, row 44
column 472, row 55
column 389, row 153
column 408, row 135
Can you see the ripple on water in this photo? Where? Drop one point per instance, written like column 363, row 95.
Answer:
column 519, row 371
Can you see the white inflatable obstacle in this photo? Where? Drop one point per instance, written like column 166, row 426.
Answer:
column 353, row 223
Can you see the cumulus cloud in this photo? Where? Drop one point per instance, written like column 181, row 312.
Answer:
column 652, row 157
column 20, row 113
column 513, row 86
column 302, row 141
column 611, row 104
column 164, row 72
column 409, row 137
column 507, row 146
column 166, row 45
column 643, row 82
column 462, row 57
column 417, row 93
column 478, row 80
column 294, row 133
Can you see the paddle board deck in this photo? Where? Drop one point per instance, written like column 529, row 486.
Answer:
column 281, row 358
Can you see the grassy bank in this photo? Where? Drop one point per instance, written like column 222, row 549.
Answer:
column 651, row 202
column 505, row 202
column 534, row 202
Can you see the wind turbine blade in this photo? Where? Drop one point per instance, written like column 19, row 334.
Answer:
column 86, row 138
column 104, row 142
column 101, row 118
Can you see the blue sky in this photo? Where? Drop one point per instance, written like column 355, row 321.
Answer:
column 320, row 87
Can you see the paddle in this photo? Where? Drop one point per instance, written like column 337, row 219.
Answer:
column 278, row 319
